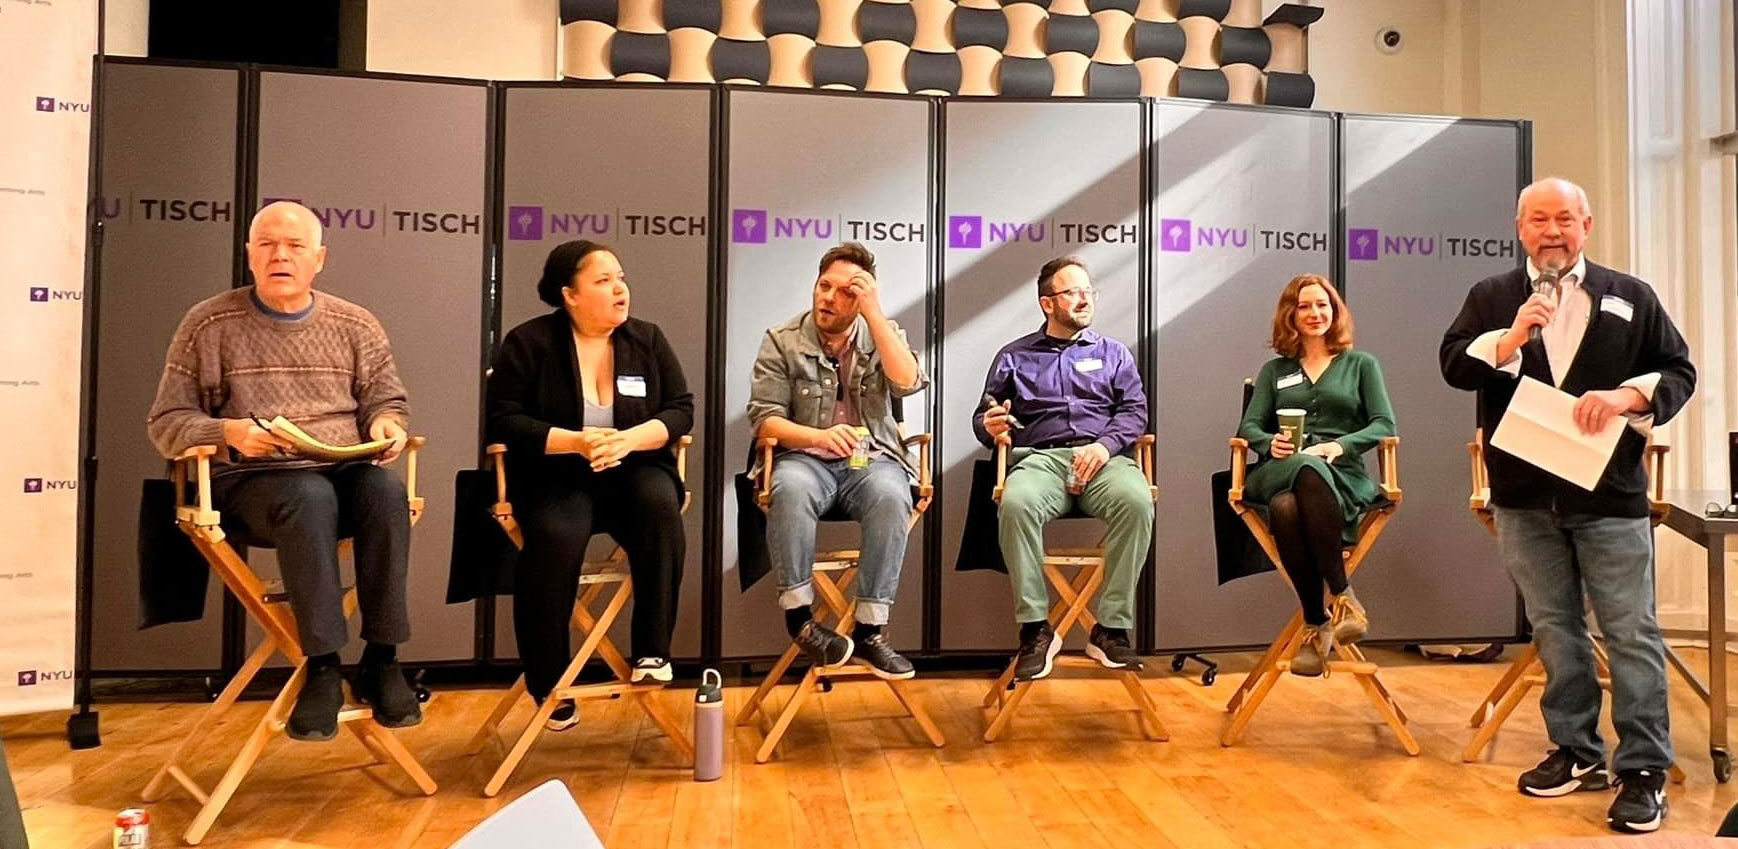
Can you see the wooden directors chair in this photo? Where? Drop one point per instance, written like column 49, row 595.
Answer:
column 1277, row 660
column 834, row 608
column 269, row 607
column 595, row 576
column 1071, row 611
column 1527, row 672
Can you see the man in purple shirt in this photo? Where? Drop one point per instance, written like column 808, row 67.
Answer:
column 1071, row 404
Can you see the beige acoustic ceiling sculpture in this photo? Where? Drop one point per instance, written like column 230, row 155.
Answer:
column 1208, row 49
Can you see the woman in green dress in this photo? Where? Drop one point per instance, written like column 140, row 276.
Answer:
column 1315, row 492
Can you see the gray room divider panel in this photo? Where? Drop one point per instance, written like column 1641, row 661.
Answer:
column 169, row 190
column 806, row 171
column 1243, row 202
column 397, row 168
column 574, row 170
column 1024, row 182
column 1429, row 211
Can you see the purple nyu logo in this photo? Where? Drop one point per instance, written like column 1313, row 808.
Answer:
column 39, row 294
column 971, row 232
column 26, row 677
column 51, row 104
column 1175, row 234
column 33, row 485
column 524, row 223
column 1363, row 244
column 965, row 231
column 748, row 226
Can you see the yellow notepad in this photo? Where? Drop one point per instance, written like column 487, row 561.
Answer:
column 314, row 449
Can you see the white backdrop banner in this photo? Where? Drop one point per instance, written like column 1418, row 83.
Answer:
column 45, row 121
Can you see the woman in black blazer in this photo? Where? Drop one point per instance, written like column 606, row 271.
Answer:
column 598, row 399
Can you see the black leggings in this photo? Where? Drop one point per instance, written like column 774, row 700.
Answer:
column 640, row 507
column 1306, row 525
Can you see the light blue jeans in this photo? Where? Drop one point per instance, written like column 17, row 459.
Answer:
column 1557, row 560
column 878, row 498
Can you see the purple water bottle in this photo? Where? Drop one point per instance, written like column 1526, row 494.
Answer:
column 709, row 727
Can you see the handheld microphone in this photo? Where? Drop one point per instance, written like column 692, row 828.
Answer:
column 990, row 401
column 1545, row 285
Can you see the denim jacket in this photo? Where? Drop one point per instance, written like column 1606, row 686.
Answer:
column 793, row 379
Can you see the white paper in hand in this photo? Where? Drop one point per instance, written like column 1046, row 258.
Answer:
column 1539, row 427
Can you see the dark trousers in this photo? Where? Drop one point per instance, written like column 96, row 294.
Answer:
column 640, row 507
column 1306, row 525
column 303, row 513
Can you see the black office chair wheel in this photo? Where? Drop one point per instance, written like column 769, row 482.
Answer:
column 1722, row 764
column 416, row 686
column 212, row 690
column 1177, row 662
column 1209, row 675
column 826, row 685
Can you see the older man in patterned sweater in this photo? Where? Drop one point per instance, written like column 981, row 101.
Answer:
column 280, row 348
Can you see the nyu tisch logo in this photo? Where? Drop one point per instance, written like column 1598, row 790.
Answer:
column 1363, row 244
column 965, row 231
column 748, row 226
column 33, row 485
column 26, row 677
column 1175, row 234
column 525, row 223
column 45, row 104
column 39, row 294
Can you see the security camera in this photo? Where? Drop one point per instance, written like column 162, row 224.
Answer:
column 1388, row 40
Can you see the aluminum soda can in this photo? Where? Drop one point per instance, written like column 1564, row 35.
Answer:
column 132, row 829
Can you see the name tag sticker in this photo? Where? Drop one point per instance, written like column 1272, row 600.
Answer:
column 1290, row 380
column 632, row 386
column 1618, row 307
column 1090, row 364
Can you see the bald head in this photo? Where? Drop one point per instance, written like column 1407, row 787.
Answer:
column 288, row 215
column 1557, row 188
column 1553, row 220
column 284, row 252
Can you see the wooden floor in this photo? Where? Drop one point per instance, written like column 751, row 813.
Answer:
column 1318, row 770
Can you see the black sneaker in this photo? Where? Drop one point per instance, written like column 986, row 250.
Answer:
column 654, row 669
column 1037, row 654
column 874, row 652
column 1562, row 773
column 383, row 687
column 825, row 647
column 1110, row 647
column 314, row 719
column 564, row 716
column 1641, row 801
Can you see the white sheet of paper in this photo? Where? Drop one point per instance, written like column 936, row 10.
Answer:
column 1539, row 427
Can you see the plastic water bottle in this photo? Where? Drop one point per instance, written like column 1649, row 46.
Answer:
column 860, row 454
column 709, row 727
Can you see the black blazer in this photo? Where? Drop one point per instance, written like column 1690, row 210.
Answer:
column 534, row 386
column 1613, row 350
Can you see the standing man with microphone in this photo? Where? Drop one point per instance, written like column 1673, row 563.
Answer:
column 1603, row 337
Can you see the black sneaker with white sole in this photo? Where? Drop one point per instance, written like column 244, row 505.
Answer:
column 654, row 669
column 874, row 652
column 1037, row 653
column 1640, row 806
column 824, row 647
column 1111, row 648
column 1562, row 773
column 564, row 716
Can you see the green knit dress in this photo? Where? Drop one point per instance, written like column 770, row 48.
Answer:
column 1348, row 405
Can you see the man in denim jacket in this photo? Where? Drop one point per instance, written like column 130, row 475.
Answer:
column 818, row 378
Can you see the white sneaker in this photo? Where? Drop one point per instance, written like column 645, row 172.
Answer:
column 651, row 669
column 565, row 716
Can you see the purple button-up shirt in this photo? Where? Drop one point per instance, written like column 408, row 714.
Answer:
column 1085, row 388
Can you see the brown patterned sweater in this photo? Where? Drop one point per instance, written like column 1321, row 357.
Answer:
column 329, row 371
